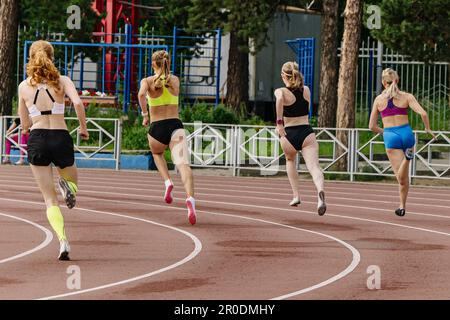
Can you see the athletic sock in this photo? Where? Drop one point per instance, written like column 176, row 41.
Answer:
column 56, row 220
column 192, row 200
column 168, row 183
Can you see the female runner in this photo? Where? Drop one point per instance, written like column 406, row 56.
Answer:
column 296, row 134
column 41, row 99
column 166, row 130
column 398, row 137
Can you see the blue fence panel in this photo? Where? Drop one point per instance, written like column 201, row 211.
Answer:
column 120, row 70
column 118, row 67
column 305, row 49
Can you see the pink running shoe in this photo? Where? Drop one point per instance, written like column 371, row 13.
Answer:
column 190, row 202
column 168, row 195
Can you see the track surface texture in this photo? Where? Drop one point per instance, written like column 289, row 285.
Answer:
column 248, row 243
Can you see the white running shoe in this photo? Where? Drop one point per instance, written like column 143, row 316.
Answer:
column 168, row 194
column 321, row 205
column 192, row 216
column 64, row 249
column 295, row 202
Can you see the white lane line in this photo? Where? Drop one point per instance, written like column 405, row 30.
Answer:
column 284, row 186
column 83, row 190
column 48, row 238
column 271, row 190
column 192, row 255
column 251, row 197
column 356, row 257
column 270, row 208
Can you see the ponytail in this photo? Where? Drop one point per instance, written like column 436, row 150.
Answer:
column 392, row 91
column 40, row 67
column 162, row 60
column 390, row 77
column 293, row 75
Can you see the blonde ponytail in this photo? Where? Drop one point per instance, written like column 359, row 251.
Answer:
column 390, row 77
column 162, row 61
column 293, row 75
column 40, row 67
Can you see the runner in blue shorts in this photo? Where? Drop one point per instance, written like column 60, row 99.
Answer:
column 398, row 136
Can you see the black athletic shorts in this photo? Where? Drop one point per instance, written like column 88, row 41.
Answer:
column 296, row 135
column 50, row 146
column 162, row 130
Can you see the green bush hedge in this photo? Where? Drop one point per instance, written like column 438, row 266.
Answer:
column 134, row 135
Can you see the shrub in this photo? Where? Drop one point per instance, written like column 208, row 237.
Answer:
column 222, row 114
column 134, row 137
column 198, row 112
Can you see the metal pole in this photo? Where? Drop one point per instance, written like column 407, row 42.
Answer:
column 174, row 50
column 119, row 143
column 81, row 71
column 65, row 60
column 103, row 68
column 370, row 84
column 118, row 73
column 219, row 50
column 72, row 62
column 351, row 153
column 127, row 67
column 379, row 66
column 25, row 55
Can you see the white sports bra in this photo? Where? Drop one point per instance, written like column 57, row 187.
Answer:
column 58, row 108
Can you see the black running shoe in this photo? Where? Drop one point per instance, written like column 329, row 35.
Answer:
column 64, row 250
column 295, row 202
column 400, row 212
column 322, row 206
column 67, row 193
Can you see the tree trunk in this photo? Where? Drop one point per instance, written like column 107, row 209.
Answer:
column 328, row 59
column 347, row 72
column 8, row 46
column 237, row 77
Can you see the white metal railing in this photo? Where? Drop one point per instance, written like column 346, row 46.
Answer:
column 242, row 147
column 103, row 145
column 257, row 148
column 427, row 81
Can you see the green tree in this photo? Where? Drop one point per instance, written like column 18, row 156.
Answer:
column 46, row 16
column 39, row 21
column 417, row 28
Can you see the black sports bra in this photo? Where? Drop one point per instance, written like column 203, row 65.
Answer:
column 299, row 108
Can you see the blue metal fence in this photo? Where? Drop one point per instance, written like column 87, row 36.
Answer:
column 71, row 60
column 195, row 59
column 305, row 49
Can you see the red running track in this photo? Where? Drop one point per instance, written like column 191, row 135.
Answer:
column 247, row 244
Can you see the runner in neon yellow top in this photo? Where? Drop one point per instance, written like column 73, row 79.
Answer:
column 166, row 130
column 166, row 98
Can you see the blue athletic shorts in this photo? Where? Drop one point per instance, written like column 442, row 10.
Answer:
column 400, row 137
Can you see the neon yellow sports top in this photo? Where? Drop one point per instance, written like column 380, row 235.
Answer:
column 166, row 98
